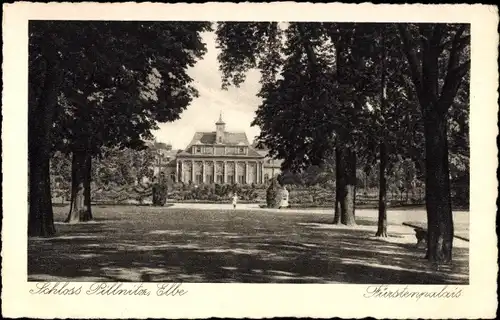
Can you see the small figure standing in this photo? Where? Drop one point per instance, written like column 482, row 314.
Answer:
column 235, row 200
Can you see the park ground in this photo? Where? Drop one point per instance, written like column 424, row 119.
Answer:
column 214, row 243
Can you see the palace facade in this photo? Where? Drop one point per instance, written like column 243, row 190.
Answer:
column 218, row 157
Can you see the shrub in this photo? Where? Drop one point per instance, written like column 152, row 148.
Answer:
column 160, row 191
column 272, row 194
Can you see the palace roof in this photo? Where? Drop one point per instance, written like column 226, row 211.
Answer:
column 229, row 139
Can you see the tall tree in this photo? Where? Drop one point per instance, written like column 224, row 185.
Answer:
column 389, row 116
column 159, row 94
column 348, row 107
column 105, row 91
column 439, row 59
column 305, row 112
column 45, row 77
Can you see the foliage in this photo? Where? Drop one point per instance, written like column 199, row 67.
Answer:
column 159, row 192
column 300, row 114
column 359, row 85
column 213, row 192
column 116, row 87
column 60, row 169
column 247, row 45
column 101, row 83
column 273, row 194
column 286, row 114
column 439, row 60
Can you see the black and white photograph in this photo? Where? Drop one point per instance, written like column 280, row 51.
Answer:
column 264, row 152
column 134, row 176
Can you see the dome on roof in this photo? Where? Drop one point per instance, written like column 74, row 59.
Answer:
column 241, row 143
column 197, row 142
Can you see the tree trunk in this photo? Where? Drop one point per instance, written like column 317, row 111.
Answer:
column 382, row 194
column 382, row 190
column 348, row 211
column 437, row 193
column 339, row 186
column 79, row 208
column 348, row 185
column 41, row 216
column 40, row 121
column 425, row 74
column 87, row 188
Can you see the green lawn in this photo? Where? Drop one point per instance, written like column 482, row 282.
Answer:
column 128, row 243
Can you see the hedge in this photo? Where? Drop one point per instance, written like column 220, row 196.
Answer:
column 215, row 193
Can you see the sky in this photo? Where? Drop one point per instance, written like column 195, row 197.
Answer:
column 237, row 105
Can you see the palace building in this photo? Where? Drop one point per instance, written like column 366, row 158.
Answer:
column 219, row 157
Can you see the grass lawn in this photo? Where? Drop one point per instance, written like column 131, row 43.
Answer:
column 128, row 243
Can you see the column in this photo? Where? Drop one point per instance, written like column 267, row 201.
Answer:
column 261, row 171
column 192, row 171
column 258, row 174
column 236, row 171
column 184, row 170
column 181, row 177
column 262, row 178
column 214, row 172
column 224, row 172
column 203, row 171
column 246, row 172
column 176, row 171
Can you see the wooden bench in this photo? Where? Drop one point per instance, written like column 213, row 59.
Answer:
column 421, row 233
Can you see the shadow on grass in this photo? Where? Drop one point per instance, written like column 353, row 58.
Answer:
column 231, row 247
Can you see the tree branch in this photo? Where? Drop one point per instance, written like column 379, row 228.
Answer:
column 311, row 56
column 437, row 35
column 425, row 35
column 450, row 88
column 459, row 32
column 415, row 65
column 430, row 55
column 455, row 71
column 78, row 99
column 462, row 69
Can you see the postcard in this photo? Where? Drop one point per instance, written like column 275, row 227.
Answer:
column 249, row 160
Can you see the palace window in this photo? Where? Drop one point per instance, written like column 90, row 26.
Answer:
column 198, row 149
column 242, row 150
column 230, row 179
column 266, row 177
column 241, row 179
column 220, row 178
column 209, row 178
column 198, row 178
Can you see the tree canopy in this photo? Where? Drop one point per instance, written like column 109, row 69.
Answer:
column 110, row 83
column 397, row 89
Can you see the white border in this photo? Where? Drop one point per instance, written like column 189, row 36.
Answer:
column 478, row 300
